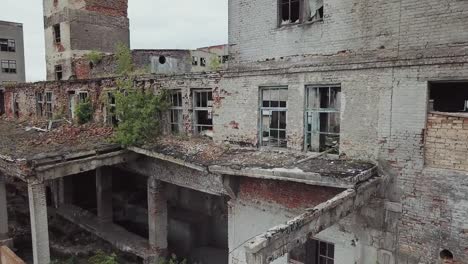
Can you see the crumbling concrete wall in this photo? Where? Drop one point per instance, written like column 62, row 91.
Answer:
column 447, row 141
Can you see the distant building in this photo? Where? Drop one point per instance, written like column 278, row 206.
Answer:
column 11, row 53
column 75, row 28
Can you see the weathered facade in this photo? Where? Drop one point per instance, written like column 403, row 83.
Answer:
column 336, row 135
column 11, row 54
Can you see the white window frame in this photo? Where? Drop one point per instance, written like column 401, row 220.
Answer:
column 269, row 111
column 176, row 112
column 198, row 128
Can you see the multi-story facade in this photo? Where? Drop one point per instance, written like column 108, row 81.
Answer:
column 338, row 134
column 75, row 28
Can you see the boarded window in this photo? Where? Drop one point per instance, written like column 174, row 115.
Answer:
column 176, row 119
column 273, row 111
column 322, row 118
column 203, row 112
column 448, row 97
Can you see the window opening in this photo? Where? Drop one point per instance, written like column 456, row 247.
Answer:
column 300, row 11
column 194, row 60
column 48, row 105
column 313, row 252
column 112, row 110
column 39, row 104
column 58, row 72
column 2, row 102
column 322, row 118
column 16, row 106
column 176, row 110
column 448, row 97
column 202, row 62
column 57, row 34
column 203, row 112
column 82, row 97
column 8, row 66
column 273, row 111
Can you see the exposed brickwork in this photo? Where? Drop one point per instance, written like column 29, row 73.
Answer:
column 288, row 194
column 108, row 7
column 447, row 142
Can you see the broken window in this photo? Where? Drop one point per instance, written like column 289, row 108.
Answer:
column 57, row 34
column 39, row 104
column 203, row 112
column 82, row 97
column 322, row 118
column 273, row 111
column 8, row 45
column 202, row 62
column 48, row 105
column 176, row 112
column 313, row 252
column 111, row 114
column 300, row 11
column 8, row 66
column 16, row 106
column 448, row 96
column 225, row 58
column 194, row 60
column 58, row 72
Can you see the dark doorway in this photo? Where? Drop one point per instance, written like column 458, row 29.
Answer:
column 448, row 96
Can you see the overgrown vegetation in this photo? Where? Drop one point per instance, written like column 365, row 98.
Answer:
column 84, row 112
column 103, row 258
column 172, row 260
column 215, row 63
column 95, row 57
column 139, row 111
column 124, row 59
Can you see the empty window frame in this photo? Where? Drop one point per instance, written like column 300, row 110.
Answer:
column 448, row 96
column 313, row 252
column 39, row 104
column 202, row 111
column 57, row 34
column 58, row 72
column 82, row 97
column 299, row 11
column 176, row 110
column 225, row 58
column 194, row 60
column 8, row 45
column 48, row 105
column 16, row 110
column 8, row 66
column 322, row 118
column 202, row 62
column 111, row 113
column 273, row 110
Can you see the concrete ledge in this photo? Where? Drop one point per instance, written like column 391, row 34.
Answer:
column 114, row 234
column 281, row 239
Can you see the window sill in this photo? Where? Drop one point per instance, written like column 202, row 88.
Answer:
column 293, row 25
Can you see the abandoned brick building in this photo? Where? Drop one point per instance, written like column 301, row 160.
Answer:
column 337, row 134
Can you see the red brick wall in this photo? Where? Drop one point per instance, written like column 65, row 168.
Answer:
column 108, row 7
column 288, row 194
column 447, row 141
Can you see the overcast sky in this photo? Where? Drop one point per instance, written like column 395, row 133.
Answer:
column 154, row 24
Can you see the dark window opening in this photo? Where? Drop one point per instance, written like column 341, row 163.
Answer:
column 8, row 45
column 273, row 111
column 202, row 62
column 300, row 11
column 57, row 34
column 39, row 104
column 112, row 110
column 176, row 111
column 16, row 110
column 58, row 72
column 448, row 97
column 8, row 66
column 162, row 59
column 194, row 60
column 290, row 10
column 225, row 58
column 2, row 103
column 446, row 255
column 322, row 118
column 313, row 252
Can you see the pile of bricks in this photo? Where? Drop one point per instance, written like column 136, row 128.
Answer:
column 446, row 143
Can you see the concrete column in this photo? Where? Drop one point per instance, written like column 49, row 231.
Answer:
column 65, row 190
column 3, row 210
column 157, row 217
column 104, row 194
column 39, row 225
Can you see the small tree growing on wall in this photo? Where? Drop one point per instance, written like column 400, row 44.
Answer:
column 84, row 112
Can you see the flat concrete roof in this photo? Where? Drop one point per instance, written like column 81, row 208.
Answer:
column 8, row 23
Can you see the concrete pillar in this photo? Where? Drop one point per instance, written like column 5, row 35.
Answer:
column 65, row 190
column 157, row 218
column 104, row 194
column 3, row 210
column 39, row 225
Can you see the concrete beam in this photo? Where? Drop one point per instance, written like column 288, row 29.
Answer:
column 157, row 218
column 62, row 169
column 104, row 194
column 39, row 225
column 280, row 240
